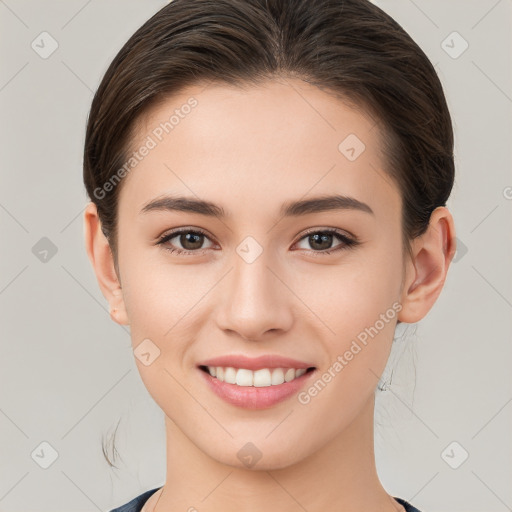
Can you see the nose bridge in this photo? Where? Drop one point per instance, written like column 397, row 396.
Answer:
column 254, row 300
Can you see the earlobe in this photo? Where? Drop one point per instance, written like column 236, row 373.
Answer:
column 117, row 307
column 102, row 261
column 433, row 252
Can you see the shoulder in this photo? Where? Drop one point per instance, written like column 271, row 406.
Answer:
column 408, row 507
column 137, row 503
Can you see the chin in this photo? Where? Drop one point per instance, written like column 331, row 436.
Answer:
column 257, row 455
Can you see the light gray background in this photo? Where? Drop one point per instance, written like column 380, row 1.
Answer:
column 67, row 371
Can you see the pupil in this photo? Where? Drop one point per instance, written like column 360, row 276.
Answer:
column 190, row 238
column 324, row 239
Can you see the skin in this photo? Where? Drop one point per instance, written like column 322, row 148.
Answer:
column 250, row 150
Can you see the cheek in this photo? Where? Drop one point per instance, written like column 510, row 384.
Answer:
column 362, row 310
column 157, row 294
column 359, row 302
column 167, row 304
column 351, row 296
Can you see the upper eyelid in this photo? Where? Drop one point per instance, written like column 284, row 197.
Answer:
column 334, row 231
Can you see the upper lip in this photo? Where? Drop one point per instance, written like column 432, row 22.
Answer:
column 256, row 363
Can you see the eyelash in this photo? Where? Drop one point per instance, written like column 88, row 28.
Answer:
column 347, row 242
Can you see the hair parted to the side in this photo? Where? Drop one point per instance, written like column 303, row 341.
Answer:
column 349, row 48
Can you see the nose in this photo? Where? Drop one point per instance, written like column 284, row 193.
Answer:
column 254, row 302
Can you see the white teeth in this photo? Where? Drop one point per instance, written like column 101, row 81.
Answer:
column 230, row 375
column 289, row 375
column 277, row 376
column 262, row 378
column 244, row 377
column 258, row 378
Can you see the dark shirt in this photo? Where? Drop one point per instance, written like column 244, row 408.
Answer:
column 137, row 503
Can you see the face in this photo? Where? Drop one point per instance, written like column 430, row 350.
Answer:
column 262, row 268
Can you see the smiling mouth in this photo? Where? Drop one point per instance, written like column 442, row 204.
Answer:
column 264, row 377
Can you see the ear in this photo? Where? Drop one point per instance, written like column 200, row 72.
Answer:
column 426, row 273
column 102, row 260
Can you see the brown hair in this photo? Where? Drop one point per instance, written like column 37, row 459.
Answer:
column 350, row 48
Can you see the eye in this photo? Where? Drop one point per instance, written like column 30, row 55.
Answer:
column 321, row 241
column 191, row 241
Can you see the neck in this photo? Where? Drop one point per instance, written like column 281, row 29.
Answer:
column 340, row 475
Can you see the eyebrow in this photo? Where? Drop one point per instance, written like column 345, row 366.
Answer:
column 288, row 209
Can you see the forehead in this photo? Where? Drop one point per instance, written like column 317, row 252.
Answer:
column 281, row 139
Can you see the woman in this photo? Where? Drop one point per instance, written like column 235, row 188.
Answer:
column 268, row 184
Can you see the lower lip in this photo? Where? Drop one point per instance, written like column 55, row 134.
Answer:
column 251, row 397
